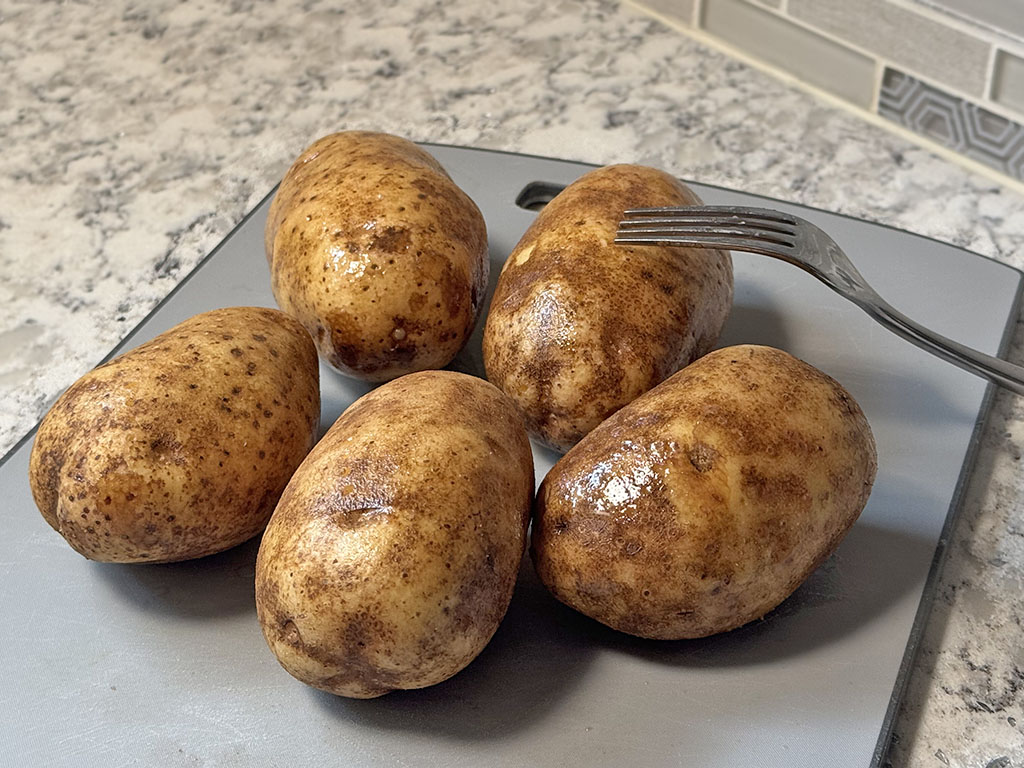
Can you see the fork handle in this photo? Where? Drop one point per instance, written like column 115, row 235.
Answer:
column 995, row 369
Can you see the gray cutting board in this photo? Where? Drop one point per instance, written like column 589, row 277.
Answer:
column 165, row 665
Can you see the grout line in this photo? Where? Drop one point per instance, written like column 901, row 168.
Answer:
column 1016, row 185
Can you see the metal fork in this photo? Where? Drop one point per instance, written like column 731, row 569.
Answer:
column 797, row 241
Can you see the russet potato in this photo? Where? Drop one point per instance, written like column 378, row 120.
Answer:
column 392, row 555
column 579, row 326
column 181, row 447
column 378, row 253
column 704, row 503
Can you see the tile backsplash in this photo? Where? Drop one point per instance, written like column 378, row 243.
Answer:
column 949, row 71
column 953, row 122
column 903, row 37
column 770, row 37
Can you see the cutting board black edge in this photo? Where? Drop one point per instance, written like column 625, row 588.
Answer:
column 952, row 513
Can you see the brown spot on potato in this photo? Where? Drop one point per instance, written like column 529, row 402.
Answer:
column 393, row 240
column 290, row 633
column 702, row 456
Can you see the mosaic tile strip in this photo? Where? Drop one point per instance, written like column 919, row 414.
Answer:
column 953, row 122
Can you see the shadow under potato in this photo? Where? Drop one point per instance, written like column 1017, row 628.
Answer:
column 870, row 571
column 535, row 659
column 754, row 324
column 543, row 649
column 209, row 587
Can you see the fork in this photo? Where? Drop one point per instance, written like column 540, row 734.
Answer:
column 797, row 241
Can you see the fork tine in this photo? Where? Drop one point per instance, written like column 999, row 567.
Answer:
column 712, row 211
column 759, row 230
column 767, row 247
column 731, row 234
column 706, row 224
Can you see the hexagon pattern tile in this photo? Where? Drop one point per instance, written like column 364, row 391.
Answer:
column 954, row 122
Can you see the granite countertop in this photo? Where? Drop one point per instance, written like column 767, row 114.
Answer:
column 137, row 135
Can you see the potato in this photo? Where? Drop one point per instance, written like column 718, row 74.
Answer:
column 704, row 503
column 377, row 252
column 180, row 447
column 393, row 553
column 578, row 326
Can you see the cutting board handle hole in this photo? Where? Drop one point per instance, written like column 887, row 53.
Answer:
column 537, row 194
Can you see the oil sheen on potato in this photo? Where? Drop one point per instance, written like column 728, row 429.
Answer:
column 704, row 503
column 378, row 253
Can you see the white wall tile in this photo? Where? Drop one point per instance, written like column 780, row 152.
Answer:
column 1008, row 82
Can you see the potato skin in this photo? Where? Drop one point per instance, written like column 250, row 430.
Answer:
column 378, row 253
column 578, row 326
column 393, row 553
column 704, row 503
column 180, row 447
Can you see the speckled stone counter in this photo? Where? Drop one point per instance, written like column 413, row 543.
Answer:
column 137, row 135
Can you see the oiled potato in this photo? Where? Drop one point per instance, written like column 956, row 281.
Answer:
column 378, row 253
column 578, row 326
column 392, row 555
column 181, row 447
column 704, row 503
